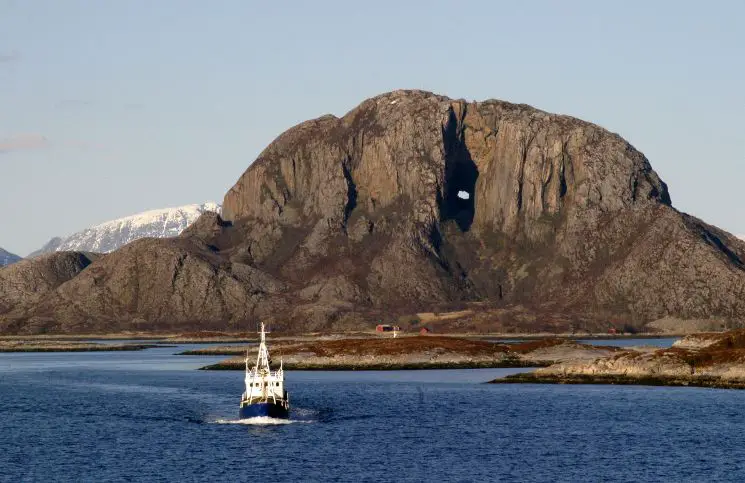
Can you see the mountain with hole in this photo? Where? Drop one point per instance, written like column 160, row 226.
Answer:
column 414, row 208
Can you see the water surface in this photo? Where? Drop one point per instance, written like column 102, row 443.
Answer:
column 149, row 416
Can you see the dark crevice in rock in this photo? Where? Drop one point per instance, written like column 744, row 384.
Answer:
column 545, row 187
column 177, row 271
column 351, row 194
column 566, row 162
column 461, row 173
column 717, row 243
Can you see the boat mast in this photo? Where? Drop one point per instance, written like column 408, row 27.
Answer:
column 262, row 360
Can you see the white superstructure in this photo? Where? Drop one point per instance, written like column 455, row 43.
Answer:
column 263, row 384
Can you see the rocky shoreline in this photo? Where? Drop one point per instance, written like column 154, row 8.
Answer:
column 601, row 379
column 714, row 360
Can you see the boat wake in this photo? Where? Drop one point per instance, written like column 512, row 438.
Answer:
column 261, row 421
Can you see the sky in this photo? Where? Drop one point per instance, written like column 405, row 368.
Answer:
column 109, row 108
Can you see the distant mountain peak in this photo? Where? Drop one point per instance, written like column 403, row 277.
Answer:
column 110, row 235
column 7, row 258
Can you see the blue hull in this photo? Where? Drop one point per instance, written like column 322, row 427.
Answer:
column 263, row 409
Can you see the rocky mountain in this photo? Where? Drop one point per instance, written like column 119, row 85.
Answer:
column 28, row 281
column 7, row 258
column 111, row 235
column 414, row 202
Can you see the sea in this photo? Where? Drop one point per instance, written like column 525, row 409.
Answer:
column 152, row 416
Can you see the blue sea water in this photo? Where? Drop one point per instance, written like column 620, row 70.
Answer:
column 150, row 416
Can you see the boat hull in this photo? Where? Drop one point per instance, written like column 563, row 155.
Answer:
column 264, row 409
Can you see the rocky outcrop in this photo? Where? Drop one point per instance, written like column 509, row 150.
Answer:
column 28, row 281
column 414, row 202
column 714, row 360
column 153, row 285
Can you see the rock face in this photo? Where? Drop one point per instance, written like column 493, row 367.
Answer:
column 114, row 234
column 7, row 258
column 28, row 281
column 414, row 201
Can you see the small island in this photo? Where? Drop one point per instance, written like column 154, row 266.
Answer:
column 38, row 345
column 408, row 352
column 703, row 360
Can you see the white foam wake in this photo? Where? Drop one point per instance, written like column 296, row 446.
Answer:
column 260, row 421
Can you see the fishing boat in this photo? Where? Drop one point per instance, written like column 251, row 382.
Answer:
column 265, row 393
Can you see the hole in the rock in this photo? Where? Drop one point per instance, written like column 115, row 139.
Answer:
column 461, row 174
column 459, row 190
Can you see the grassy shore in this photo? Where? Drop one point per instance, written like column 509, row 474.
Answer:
column 247, row 337
column 219, row 351
column 515, row 363
column 693, row 381
column 82, row 337
column 61, row 346
column 420, row 352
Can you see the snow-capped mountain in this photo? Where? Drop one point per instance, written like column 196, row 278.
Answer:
column 109, row 236
column 6, row 258
column 48, row 248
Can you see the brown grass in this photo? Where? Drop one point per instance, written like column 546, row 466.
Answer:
column 708, row 356
column 64, row 346
column 532, row 345
column 206, row 334
column 398, row 346
column 729, row 348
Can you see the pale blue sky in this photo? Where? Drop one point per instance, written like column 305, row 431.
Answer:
column 108, row 108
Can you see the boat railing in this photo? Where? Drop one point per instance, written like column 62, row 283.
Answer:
column 253, row 373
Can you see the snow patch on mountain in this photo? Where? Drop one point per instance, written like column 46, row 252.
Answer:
column 6, row 258
column 111, row 235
